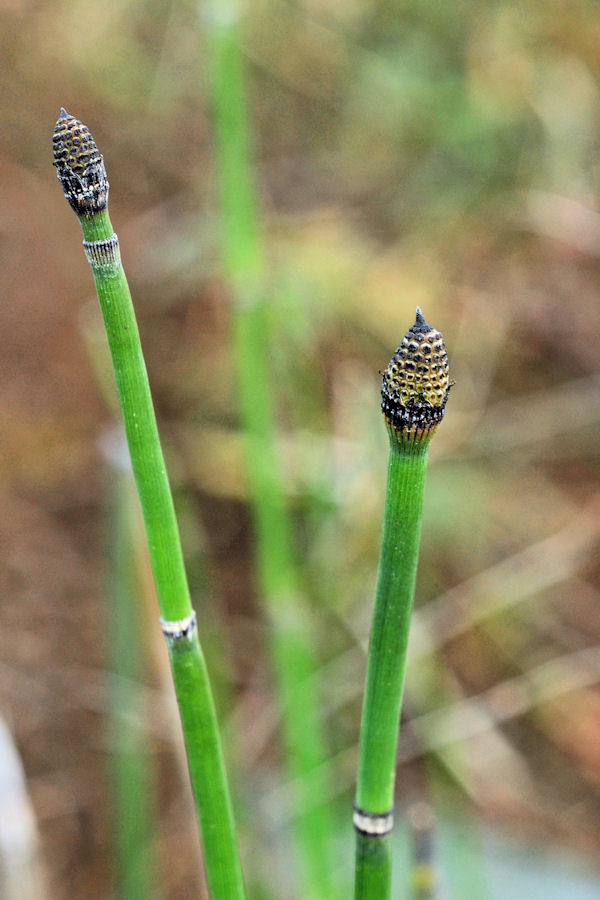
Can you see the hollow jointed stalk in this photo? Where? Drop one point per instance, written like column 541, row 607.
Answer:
column 83, row 178
column 414, row 393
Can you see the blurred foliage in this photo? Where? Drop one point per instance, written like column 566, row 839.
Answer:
column 407, row 153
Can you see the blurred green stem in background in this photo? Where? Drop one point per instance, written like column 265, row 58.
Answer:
column 292, row 651
column 131, row 774
column 449, row 782
column 83, row 178
column 414, row 393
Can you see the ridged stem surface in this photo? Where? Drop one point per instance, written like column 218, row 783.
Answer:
column 373, row 867
column 386, row 665
column 140, row 422
column 192, row 687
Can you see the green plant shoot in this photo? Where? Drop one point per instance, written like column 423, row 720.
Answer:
column 82, row 175
column 414, row 393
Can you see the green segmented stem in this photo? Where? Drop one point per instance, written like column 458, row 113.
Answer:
column 414, row 393
column 389, row 632
column 82, row 175
column 132, row 772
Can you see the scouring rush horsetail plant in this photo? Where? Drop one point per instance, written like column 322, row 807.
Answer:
column 82, row 175
column 414, row 392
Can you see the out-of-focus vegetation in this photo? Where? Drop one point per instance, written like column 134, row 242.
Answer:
column 441, row 155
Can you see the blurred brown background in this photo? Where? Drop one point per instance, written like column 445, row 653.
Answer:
column 445, row 155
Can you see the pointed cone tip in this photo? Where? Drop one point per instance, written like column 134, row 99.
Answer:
column 420, row 323
column 63, row 114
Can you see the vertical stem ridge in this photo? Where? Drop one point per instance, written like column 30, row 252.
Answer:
column 414, row 392
column 190, row 676
column 373, row 867
column 200, row 729
column 82, row 176
column 140, row 423
column 192, row 685
column 390, row 629
column 388, row 645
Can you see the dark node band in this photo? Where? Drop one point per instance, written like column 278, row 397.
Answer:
column 102, row 252
column 417, row 414
column 179, row 629
column 373, row 824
